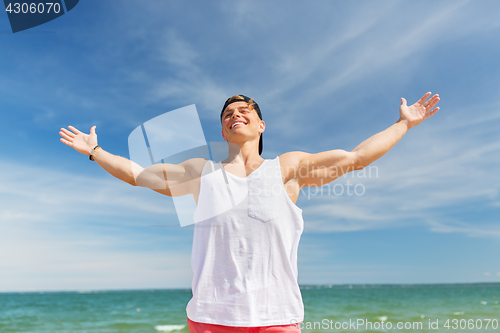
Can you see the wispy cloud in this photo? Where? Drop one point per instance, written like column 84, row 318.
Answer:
column 327, row 76
column 60, row 265
column 446, row 225
column 429, row 173
column 58, row 225
column 52, row 195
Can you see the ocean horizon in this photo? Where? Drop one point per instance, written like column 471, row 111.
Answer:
column 467, row 307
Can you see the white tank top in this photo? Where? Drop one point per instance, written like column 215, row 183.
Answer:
column 244, row 255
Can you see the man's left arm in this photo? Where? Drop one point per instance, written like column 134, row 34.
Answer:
column 322, row 168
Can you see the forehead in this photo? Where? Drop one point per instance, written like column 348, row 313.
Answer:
column 236, row 105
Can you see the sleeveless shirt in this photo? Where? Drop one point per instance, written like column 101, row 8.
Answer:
column 244, row 255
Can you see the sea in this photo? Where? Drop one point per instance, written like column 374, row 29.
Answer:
column 328, row 308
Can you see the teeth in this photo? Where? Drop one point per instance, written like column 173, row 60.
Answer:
column 237, row 124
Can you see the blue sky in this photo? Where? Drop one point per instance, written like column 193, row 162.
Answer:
column 326, row 74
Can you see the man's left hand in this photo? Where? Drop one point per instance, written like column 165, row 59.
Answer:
column 418, row 112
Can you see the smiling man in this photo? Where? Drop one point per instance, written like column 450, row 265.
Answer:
column 248, row 227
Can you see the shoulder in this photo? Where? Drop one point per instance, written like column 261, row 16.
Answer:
column 194, row 166
column 292, row 158
column 290, row 163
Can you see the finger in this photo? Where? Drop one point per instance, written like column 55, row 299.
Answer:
column 422, row 100
column 431, row 113
column 432, row 99
column 432, row 102
column 92, row 130
column 403, row 102
column 65, row 131
column 74, row 129
column 65, row 136
column 66, row 142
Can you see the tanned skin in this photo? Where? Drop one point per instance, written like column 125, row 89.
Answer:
column 241, row 128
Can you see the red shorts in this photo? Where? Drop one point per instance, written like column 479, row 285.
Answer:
column 195, row 327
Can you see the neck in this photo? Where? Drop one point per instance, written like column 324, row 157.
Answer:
column 244, row 153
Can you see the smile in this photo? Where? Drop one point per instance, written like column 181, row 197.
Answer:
column 237, row 123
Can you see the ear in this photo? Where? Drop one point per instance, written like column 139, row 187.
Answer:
column 262, row 126
column 223, row 136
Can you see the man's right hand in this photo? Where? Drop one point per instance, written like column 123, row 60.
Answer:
column 83, row 143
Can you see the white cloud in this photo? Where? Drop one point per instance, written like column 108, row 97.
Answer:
column 296, row 67
column 48, row 195
column 60, row 265
column 64, row 231
column 469, row 229
column 431, row 173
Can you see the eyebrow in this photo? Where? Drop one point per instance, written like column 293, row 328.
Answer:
column 232, row 110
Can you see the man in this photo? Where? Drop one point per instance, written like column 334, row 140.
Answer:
column 247, row 224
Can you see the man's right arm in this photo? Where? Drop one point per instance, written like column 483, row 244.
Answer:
column 168, row 179
column 173, row 180
column 117, row 166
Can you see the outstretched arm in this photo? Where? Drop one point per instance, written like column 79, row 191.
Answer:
column 162, row 178
column 409, row 116
column 117, row 166
column 322, row 168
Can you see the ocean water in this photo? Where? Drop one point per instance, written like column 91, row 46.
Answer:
column 357, row 308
